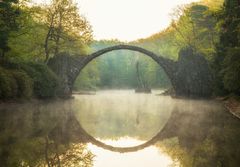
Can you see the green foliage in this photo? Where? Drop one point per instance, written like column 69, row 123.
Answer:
column 215, row 5
column 25, row 29
column 66, row 28
column 226, row 62
column 8, row 85
column 14, row 84
column 89, row 78
column 196, row 27
column 192, row 25
column 162, row 43
column 22, row 80
column 34, row 34
column 27, row 43
column 8, row 16
column 231, row 70
column 45, row 81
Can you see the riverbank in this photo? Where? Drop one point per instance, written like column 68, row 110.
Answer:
column 32, row 100
column 232, row 103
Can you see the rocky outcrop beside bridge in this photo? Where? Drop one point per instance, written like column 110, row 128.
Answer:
column 193, row 76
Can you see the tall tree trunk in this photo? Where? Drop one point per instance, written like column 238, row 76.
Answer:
column 58, row 34
column 46, row 47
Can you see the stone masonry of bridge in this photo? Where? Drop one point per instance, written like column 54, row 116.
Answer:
column 190, row 76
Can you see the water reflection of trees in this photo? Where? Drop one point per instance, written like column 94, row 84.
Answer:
column 196, row 134
column 28, row 137
column 204, row 139
column 75, row 155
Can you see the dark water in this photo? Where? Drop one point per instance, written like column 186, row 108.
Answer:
column 119, row 128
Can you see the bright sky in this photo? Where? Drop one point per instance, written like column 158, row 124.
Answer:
column 127, row 20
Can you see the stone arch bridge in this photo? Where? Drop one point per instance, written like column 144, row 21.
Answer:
column 190, row 76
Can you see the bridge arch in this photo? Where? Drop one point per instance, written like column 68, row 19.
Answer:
column 167, row 64
column 190, row 75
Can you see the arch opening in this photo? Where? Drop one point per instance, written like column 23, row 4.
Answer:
column 122, row 69
column 167, row 65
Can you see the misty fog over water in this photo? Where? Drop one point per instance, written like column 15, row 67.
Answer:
column 187, row 129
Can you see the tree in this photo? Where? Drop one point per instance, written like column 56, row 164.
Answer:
column 227, row 59
column 195, row 27
column 65, row 25
column 27, row 43
column 9, row 12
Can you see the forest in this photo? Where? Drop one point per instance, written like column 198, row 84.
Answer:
column 31, row 34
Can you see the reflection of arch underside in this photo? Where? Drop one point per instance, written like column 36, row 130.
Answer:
column 150, row 142
column 168, row 65
column 86, row 137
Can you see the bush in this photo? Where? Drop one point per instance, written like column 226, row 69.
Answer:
column 231, row 70
column 24, row 79
column 46, row 82
column 14, row 84
column 24, row 82
column 8, row 85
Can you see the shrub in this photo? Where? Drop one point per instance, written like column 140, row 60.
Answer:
column 231, row 70
column 45, row 81
column 24, row 82
column 24, row 79
column 8, row 85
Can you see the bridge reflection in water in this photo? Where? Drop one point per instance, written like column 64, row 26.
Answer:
column 152, row 155
column 189, row 131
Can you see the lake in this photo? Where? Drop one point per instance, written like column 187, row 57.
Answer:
column 119, row 128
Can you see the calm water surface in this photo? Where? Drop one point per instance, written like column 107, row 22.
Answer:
column 104, row 130
column 123, row 118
